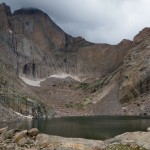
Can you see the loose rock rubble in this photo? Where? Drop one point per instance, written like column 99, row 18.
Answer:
column 15, row 139
column 7, row 115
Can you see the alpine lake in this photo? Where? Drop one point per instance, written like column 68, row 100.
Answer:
column 95, row 127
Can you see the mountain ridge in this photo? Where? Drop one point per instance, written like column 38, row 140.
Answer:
column 34, row 48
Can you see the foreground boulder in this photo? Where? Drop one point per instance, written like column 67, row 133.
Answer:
column 3, row 130
column 56, row 142
column 33, row 132
column 20, row 136
column 134, row 139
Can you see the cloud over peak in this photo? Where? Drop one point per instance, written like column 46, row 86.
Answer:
column 100, row 21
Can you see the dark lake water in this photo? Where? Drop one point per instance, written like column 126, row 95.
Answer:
column 97, row 127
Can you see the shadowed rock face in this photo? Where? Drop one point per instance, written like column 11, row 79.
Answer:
column 4, row 12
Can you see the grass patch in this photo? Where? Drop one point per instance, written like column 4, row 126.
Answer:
column 75, row 105
column 83, row 86
column 122, row 147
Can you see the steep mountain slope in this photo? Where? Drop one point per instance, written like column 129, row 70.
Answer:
column 131, row 81
column 136, row 68
column 135, row 73
column 101, row 77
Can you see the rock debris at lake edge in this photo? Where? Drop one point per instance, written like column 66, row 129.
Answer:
column 8, row 115
column 16, row 139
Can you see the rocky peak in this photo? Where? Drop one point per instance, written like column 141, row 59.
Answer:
column 29, row 11
column 141, row 35
column 36, row 25
column 6, row 9
column 125, row 42
column 4, row 13
column 37, row 16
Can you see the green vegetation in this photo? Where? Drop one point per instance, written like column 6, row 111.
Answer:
column 123, row 147
column 129, row 96
column 3, row 80
column 75, row 105
column 83, row 86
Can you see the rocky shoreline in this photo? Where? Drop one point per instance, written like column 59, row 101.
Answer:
column 14, row 139
column 8, row 115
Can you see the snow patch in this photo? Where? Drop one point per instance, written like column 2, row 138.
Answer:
column 63, row 76
column 10, row 31
column 23, row 116
column 32, row 82
column 38, row 81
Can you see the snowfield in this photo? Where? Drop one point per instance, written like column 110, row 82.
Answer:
column 10, row 31
column 32, row 82
column 38, row 81
column 23, row 116
column 63, row 76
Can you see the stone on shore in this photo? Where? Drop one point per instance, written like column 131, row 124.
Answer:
column 19, row 136
column 9, row 134
column 148, row 129
column 33, row 132
column 42, row 140
column 3, row 130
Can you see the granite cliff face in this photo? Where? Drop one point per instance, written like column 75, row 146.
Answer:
column 34, row 49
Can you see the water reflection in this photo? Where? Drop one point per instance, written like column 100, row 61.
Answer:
column 97, row 127
column 27, row 124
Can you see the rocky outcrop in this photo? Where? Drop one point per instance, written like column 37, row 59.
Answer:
column 16, row 99
column 132, row 93
column 134, row 139
column 7, row 115
column 135, row 72
column 4, row 13
column 23, row 140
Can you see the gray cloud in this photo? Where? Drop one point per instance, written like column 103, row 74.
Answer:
column 102, row 21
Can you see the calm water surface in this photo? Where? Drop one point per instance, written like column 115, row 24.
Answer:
column 97, row 127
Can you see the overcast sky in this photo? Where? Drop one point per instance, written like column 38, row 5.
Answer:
column 99, row 21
